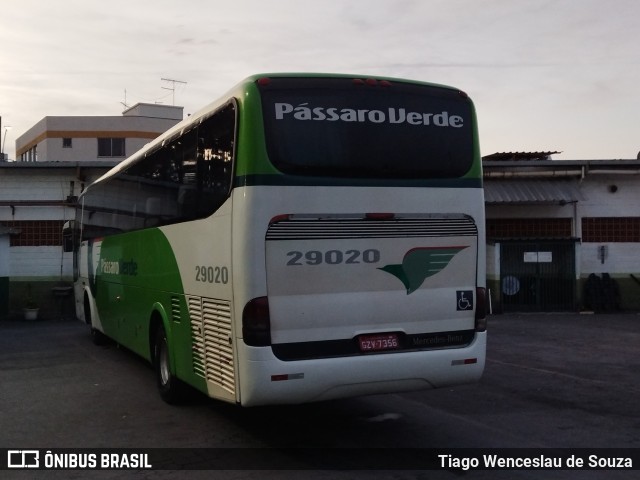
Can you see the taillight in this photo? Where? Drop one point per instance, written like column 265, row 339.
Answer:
column 256, row 325
column 279, row 218
column 481, row 309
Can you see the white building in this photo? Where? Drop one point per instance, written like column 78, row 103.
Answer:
column 57, row 157
column 87, row 138
column 552, row 225
column 36, row 198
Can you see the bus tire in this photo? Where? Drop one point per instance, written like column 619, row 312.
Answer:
column 171, row 389
column 97, row 337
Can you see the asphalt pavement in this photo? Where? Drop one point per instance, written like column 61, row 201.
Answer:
column 552, row 381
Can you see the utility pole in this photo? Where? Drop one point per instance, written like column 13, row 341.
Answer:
column 173, row 87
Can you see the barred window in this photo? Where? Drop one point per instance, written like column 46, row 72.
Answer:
column 35, row 233
column 611, row 229
column 529, row 228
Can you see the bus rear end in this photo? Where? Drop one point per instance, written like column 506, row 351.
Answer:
column 369, row 235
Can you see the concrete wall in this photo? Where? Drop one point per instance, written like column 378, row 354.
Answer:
column 611, row 196
column 600, row 201
column 36, row 184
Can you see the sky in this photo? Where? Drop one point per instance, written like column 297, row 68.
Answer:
column 557, row 75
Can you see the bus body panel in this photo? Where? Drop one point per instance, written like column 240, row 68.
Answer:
column 312, row 307
column 203, row 256
column 399, row 284
column 130, row 279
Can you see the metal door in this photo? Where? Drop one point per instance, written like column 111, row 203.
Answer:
column 538, row 276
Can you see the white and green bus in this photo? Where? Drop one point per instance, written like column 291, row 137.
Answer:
column 306, row 237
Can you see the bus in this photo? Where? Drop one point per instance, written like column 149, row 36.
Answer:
column 305, row 237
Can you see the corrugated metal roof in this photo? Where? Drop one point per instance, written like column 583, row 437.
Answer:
column 531, row 191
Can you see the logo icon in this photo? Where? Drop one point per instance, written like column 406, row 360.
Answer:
column 464, row 299
column 420, row 263
column 23, row 458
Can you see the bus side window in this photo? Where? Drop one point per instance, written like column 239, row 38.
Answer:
column 215, row 159
column 186, row 179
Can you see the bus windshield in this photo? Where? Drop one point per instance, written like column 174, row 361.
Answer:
column 339, row 127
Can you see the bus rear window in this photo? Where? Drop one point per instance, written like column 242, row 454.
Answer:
column 336, row 127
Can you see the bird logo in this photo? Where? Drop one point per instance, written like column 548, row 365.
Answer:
column 420, row 263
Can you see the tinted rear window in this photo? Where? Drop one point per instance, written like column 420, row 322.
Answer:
column 337, row 128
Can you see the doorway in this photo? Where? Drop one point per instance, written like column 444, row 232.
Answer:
column 538, row 276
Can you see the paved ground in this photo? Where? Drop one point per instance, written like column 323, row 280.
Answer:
column 551, row 381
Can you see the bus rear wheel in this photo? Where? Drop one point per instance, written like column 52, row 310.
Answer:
column 97, row 337
column 171, row 389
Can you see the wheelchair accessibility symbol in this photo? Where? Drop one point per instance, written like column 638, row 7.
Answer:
column 464, row 300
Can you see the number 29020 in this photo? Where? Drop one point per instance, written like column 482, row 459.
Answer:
column 210, row 274
column 333, row 257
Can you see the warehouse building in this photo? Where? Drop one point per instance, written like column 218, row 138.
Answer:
column 562, row 235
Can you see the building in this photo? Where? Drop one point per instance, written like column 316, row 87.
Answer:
column 57, row 158
column 36, row 199
column 562, row 235
column 86, row 138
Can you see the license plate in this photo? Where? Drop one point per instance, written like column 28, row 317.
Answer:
column 378, row 342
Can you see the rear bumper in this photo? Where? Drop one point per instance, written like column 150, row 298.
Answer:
column 265, row 380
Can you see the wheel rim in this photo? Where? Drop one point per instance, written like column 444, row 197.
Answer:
column 165, row 374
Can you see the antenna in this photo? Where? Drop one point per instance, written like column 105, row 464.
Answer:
column 125, row 104
column 173, row 87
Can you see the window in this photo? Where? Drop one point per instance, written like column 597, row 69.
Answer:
column 529, row 228
column 333, row 127
column 187, row 178
column 35, row 233
column 611, row 229
column 111, row 147
column 66, row 143
column 30, row 155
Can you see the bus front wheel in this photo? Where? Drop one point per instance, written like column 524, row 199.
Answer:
column 171, row 389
